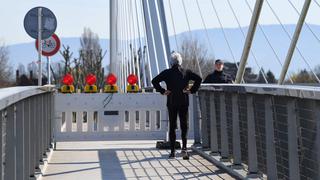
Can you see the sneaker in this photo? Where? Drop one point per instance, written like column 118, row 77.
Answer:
column 172, row 155
column 185, row 154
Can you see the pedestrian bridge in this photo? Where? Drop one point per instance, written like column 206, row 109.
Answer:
column 237, row 132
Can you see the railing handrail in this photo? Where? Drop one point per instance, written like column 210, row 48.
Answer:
column 11, row 95
column 307, row 92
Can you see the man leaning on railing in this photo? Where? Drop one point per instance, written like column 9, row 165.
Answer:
column 218, row 76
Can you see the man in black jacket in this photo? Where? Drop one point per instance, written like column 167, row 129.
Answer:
column 177, row 92
column 218, row 76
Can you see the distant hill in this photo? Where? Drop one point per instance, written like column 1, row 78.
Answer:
column 309, row 46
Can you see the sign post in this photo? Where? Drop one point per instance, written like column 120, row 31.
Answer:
column 40, row 45
column 48, row 71
column 40, row 23
column 49, row 47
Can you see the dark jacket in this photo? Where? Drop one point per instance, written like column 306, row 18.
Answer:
column 218, row 77
column 177, row 79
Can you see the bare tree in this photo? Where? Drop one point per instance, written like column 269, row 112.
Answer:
column 89, row 61
column 91, row 56
column 5, row 68
column 193, row 53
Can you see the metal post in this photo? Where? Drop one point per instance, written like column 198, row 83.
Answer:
column 294, row 40
column 213, row 125
column 48, row 71
column 317, row 119
column 42, row 123
column 271, row 154
column 19, row 140
column 294, row 171
column 37, row 133
column 26, row 136
column 252, row 146
column 224, row 133
column 10, row 152
column 196, row 120
column 204, row 119
column 33, row 112
column 250, row 35
column 39, row 46
column 2, row 142
column 236, row 131
column 113, row 35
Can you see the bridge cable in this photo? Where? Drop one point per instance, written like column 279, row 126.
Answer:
column 127, row 38
column 307, row 25
column 253, row 54
column 296, row 10
column 224, row 35
column 289, row 36
column 316, row 2
column 173, row 25
column 205, row 27
column 124, row 48
column 243, row 34
column 130, row 37
column 190, row 33
column 273, row 50
column 270, row 45
column 140, row 57
column 121, row 41
column 146, row 47
column 127, row 59
column 135, row 57
column 119, row 44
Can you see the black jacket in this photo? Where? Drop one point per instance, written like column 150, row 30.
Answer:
column 218, row 77
column 177, row 79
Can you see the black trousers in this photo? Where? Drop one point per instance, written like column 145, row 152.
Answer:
column 184, row 125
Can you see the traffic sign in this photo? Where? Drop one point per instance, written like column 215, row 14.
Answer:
column 50, row 46
column 48, row 23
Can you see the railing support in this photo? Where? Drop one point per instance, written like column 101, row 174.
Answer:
column 317, row 118
column 204, row 123
column 213, row 126
column 271, row 154
column 252, row 146
column 236, row 131
column 10, row 152
column 196, row 119
column 294, row 171
column 224, row 131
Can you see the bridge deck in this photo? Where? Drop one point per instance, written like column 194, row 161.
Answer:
column 124, row 160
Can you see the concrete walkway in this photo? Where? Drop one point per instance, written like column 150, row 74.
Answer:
column 116, row 160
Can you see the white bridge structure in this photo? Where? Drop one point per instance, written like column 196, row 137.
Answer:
column 237, row 131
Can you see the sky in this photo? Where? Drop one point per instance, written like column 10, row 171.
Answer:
column 74, row 15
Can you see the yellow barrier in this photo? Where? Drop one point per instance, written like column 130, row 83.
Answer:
column 90, row 89
column 67, row 89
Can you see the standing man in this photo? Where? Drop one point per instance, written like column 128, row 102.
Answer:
column 177, row 92
column 218, row 76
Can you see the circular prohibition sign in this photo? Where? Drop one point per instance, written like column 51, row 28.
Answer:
column 50, row 46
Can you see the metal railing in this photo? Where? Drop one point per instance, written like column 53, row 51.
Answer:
column 25, row 129
column 264, row 129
